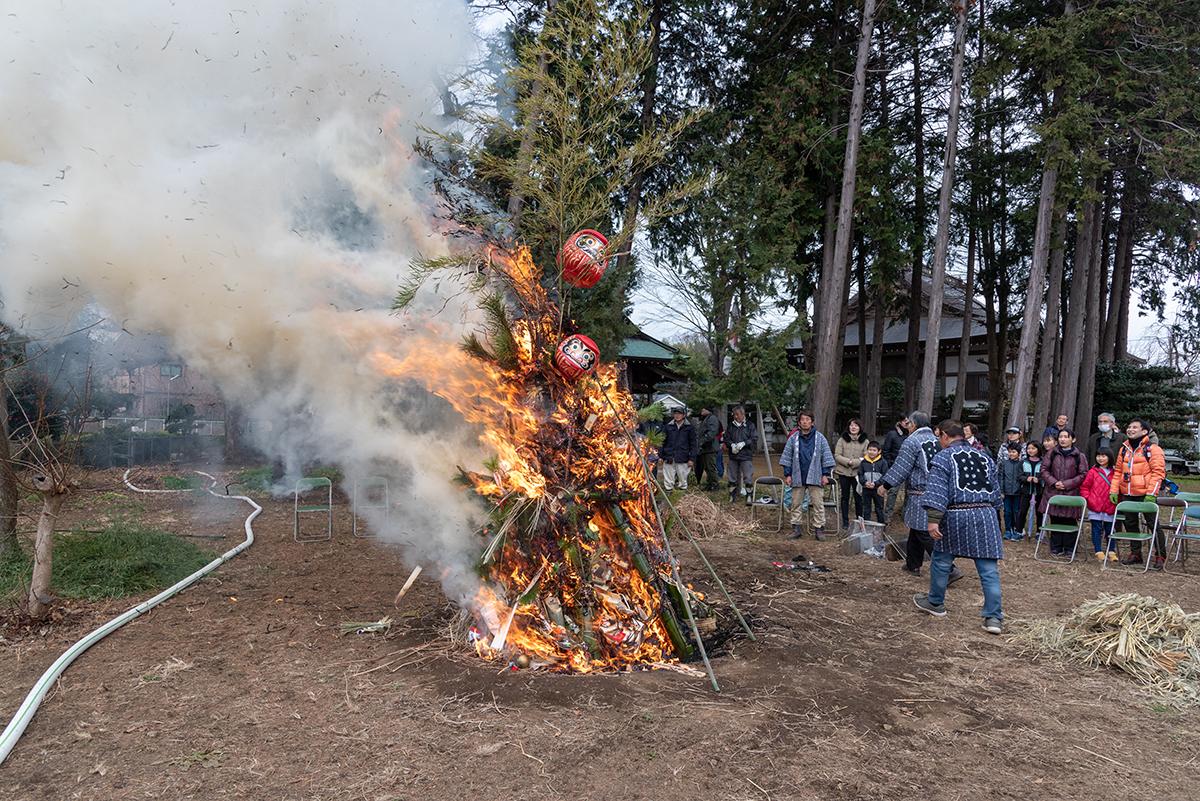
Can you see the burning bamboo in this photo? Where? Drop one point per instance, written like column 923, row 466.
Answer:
column 576, row 571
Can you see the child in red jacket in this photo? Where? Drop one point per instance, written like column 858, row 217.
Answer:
column 1096, row 488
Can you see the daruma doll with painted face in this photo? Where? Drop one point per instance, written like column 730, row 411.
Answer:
column 576, row 357
column 580, row 259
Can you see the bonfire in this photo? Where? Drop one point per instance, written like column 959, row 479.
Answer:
column 577, row 571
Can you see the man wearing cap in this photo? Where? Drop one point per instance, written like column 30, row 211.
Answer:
column 1109, row 436
column 707, row 444
column 678, row 450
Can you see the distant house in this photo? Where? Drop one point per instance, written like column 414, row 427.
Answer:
column 895, row 345
column 155, row 389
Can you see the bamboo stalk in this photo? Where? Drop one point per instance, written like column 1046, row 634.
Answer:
column 656, row 491
column 666, row 610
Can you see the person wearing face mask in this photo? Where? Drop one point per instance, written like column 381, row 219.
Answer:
column 1109, row 436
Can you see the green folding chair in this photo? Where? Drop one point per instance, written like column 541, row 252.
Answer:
column 1056, row 506
column 1187, row 530
column 1132, row 508
column 306, row 485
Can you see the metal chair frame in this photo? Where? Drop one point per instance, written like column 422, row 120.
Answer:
column 1065, row 502
column 306, row 485
column 1181, row 537
column 1134, row 508
column 368, row 483
column 776, row 496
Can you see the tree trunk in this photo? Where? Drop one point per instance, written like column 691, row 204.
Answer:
column 941, row 246
column 649, row 93
column 1027, row 351
column 10, row 494
column 964, row 341
column 53, row 497
column 1073, row 325
column 1091, row 332
column 830, row 339
column 1120, row 271
column 1047, row 389
column 918, row 245
column 875, row 368
column 862, row 335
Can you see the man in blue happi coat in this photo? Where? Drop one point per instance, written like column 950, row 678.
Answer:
column 961, row 499
column 912, row 467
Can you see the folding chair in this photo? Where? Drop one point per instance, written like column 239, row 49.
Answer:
column 1057, row 505
column 1133, row 508
column 1187, row 530
column 370, row 492
column 773, row 495
column 305, row 485
column 1177, row 507
column 833, row 495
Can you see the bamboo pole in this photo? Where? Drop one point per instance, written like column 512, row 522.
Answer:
column 662, row 529
column 666, row 610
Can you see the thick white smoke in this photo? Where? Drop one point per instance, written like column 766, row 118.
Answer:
column 239, row 180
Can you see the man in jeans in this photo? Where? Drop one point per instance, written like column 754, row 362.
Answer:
column 960, row 500
column 912, row 467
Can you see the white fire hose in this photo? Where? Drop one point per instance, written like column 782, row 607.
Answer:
column 32, row 701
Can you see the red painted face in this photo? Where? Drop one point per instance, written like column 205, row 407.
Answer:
column 576, row 357
column 580, row 259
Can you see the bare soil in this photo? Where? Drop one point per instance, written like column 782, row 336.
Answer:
column 244, row 687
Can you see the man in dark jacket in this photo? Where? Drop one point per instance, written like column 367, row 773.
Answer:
column 891, row 449
column 741, row 437
column 707, row 445
column 678, row 450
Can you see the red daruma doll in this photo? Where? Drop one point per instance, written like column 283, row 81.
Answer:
column 576, row 357
column 580, row 259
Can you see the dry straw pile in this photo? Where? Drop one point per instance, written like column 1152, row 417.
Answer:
column 704, row 519
column 1156, row 643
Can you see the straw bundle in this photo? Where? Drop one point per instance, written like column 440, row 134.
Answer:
column 1156, row 643
column 706, row 520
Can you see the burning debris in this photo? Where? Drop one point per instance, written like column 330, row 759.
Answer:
column 577, row 573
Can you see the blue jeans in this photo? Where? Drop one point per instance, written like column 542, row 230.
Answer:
column 1012, row 514
column 1098, row 527
column 989, row 576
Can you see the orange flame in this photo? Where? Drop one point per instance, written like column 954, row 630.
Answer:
column 563, row 586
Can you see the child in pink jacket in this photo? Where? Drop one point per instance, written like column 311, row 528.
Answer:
column 1096, row 488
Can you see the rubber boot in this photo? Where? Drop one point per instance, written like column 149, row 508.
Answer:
column 797, row 532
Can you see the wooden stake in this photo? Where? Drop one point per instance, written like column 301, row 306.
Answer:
column 416, row 572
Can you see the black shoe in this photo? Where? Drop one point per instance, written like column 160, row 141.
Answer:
column 955, row 575
column 1132, row 559
column 912, row 572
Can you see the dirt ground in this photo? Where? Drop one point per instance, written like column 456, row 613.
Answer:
column 243, row 687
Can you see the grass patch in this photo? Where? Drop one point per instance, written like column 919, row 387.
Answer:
column 123, row 559
column 189, row 483
column 256, row 478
